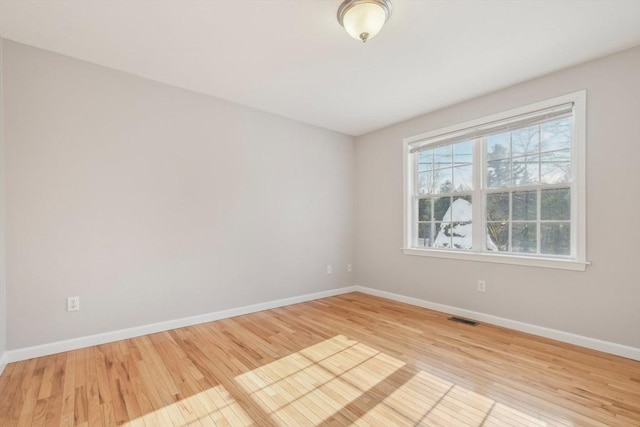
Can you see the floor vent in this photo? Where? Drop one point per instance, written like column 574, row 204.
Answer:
column 465, row 321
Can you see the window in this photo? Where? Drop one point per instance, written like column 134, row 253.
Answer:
column 507, row 188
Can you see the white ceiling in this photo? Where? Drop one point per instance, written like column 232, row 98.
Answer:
column 291, row 57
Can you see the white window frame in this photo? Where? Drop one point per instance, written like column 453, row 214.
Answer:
column 578, row 192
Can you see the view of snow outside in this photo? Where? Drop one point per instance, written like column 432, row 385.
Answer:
column 523, row 167
column 457, row 232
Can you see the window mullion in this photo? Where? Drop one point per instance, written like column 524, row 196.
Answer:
column 414, row 175
column 417, row 222
column 414, row 200
column 432, row 223
column 574, row 219
column 539, row 195
column 477, row 200
column 538, row 219
column 510, row 223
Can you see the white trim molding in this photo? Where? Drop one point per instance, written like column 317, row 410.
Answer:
column 566, row 337
column 82, row 342
column 107, row 337
column 499, row 258
column 4, row 360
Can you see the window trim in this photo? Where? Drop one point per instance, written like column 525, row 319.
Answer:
column 578, row 200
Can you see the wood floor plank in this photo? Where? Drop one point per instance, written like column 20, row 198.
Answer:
column 93, row 392
column 31, row 396
column 353, row 359
column 21, row 394
column 67, row 415
column 54, row 401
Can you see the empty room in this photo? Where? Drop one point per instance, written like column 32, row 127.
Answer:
column 319, row 213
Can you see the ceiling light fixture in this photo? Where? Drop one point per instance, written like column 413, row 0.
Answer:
column 363, row 19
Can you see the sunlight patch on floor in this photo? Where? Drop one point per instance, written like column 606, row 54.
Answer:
column 310, row 386
column 427, row 400
column 313, row 385
column 212, row 407
column 344, row 381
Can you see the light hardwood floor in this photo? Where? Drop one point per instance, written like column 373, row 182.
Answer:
column 351, row 359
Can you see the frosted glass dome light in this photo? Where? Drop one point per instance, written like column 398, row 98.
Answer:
column 363, row 19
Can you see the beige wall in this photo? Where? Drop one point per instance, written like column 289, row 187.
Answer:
column 3, row 287
column 153, row 203
column 601, row 303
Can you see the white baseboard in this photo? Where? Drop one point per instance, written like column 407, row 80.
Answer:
column 4, row 359
column 91, row 340
column 76, row 343
column 567, row 337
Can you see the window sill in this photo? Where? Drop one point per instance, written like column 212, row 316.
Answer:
column 560, row 264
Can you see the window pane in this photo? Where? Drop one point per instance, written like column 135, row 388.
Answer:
column 443, row 156
column 532, row 169
column 424, row 235
column 443, row 235
column 498, row 207
column 523, row 237
column 498, row 173
column 555, row 135
column 463, row 153
column 443, row 181
column 498, row 236
column 524, row 205
column 455, row 231
column 556, row 167
column 498, row 146
column 524, row 141
column 441, row 207
column 556, row 238
column 425, row 160
column 424, row 210
column 525, row 170
column 463, row 178
column 425, row 183
column 461, row 210
column 462, row 237
column 555, row 204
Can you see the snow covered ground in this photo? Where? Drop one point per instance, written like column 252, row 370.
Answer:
column 456, row 231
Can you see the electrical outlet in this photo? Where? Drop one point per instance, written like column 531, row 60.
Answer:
column 482, row 286
column 329, row 269
column 349, row 267
column 73, row 303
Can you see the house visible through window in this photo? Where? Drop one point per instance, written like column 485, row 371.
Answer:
column 510, row 184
